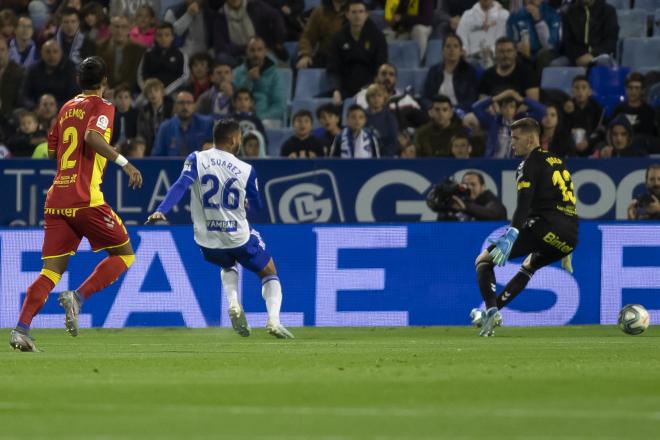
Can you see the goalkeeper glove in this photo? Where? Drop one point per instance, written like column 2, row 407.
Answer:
column 567, row 263
column 503, row 246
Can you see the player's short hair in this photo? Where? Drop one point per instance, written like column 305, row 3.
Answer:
column 503, row 40
column 328, row 108
column 356, row 108
column 302, row 114
column 653, row 166
column 441, row 99
column 91, row 72
column 165, row 25
column 153, row 83
column 527, row 125
column 480, row 177
column 634, row 77
column 577, row 78
column 224, row 129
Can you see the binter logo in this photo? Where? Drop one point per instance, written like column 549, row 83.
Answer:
column 310, row 197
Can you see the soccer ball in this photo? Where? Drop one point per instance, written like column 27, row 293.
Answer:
column 633, row 319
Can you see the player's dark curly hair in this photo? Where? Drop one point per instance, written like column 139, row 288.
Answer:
column 91, row 72
column 224, row 130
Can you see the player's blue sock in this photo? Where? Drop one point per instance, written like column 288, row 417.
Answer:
column 23, row 327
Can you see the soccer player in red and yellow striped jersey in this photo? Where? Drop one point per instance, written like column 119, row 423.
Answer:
column 75, row 207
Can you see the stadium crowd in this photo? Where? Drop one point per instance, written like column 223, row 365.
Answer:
column 343, row 78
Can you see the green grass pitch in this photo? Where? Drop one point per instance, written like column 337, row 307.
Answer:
column 333, row 384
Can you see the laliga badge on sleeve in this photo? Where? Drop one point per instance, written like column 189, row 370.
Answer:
column 102, row 122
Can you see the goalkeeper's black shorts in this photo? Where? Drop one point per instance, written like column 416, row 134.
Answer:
column 547, row 242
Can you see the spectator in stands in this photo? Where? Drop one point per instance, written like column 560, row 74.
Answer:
column 590, row 31
column 73, row 42
column 121, row 55
column 479, row 28
column 128, row 8
column 433, row 138
column 408, row 151
column 454, row 9
column 401, row 102
column 22, row 48
column 8, row 22
column 292, row 15
column 639, row 113
column 158, row 108
column 536, row 31
column 620, row 141
column 413, row 19
column 646, row 206
column 190, row 20
column 144, row 31
column 216, row 101
column 200, row 69
column 253, row 145
column 584, row 115
column 134, row 148
column 315, row 42
column 453, row 77
column 126, row 116
column 240, row 20
column 95, row 23
column 460, row 146
column 27, row 137
column 482, row 204
column 508, row 73
column 555, row 135
column 356, row 53
column 381, row 120
column 46, row 111
column 329, row 116
column 164, row 61
column 11, row 76
column 497, row 126
column 259, row 75
column 302, row 145
column 185, row 132
column 52, row 74
column 243, row 107
column 355, row 141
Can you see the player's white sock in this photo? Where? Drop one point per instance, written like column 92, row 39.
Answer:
column 271, row 291
column 230, row 285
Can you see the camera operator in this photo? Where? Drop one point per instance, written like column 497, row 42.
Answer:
column 647, row 205
column 467, row 201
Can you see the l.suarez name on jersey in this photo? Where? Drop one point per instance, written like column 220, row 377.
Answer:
column 224, row 164
column 370, row 275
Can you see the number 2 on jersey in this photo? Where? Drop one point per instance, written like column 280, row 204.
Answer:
column 70, row 136
column 563, row 180
column 230, row 196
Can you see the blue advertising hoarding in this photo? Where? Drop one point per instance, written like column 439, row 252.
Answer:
column 347, row 275
column 327, row 191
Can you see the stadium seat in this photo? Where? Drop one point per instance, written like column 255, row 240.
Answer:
column 656, row 23
column 308, row 104
column 412, row 77
column 560, row 78
column 311, row 4
column 619, row 4
column 403, row 54
column 292, row 49
column 287, row 81
column 378, row 17
column 607, row 84
column 632, row 23
column 309, row 83
column 640, row 52
column 647, row 5
column 433, row 53
column 276, row 137
column 653, row 95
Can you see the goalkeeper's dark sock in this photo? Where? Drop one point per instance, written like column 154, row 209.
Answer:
column 37, row 295
column 105, row 273
column 514, row 287
column 486, row 279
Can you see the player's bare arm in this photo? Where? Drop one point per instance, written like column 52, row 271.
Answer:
column 99, row 144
